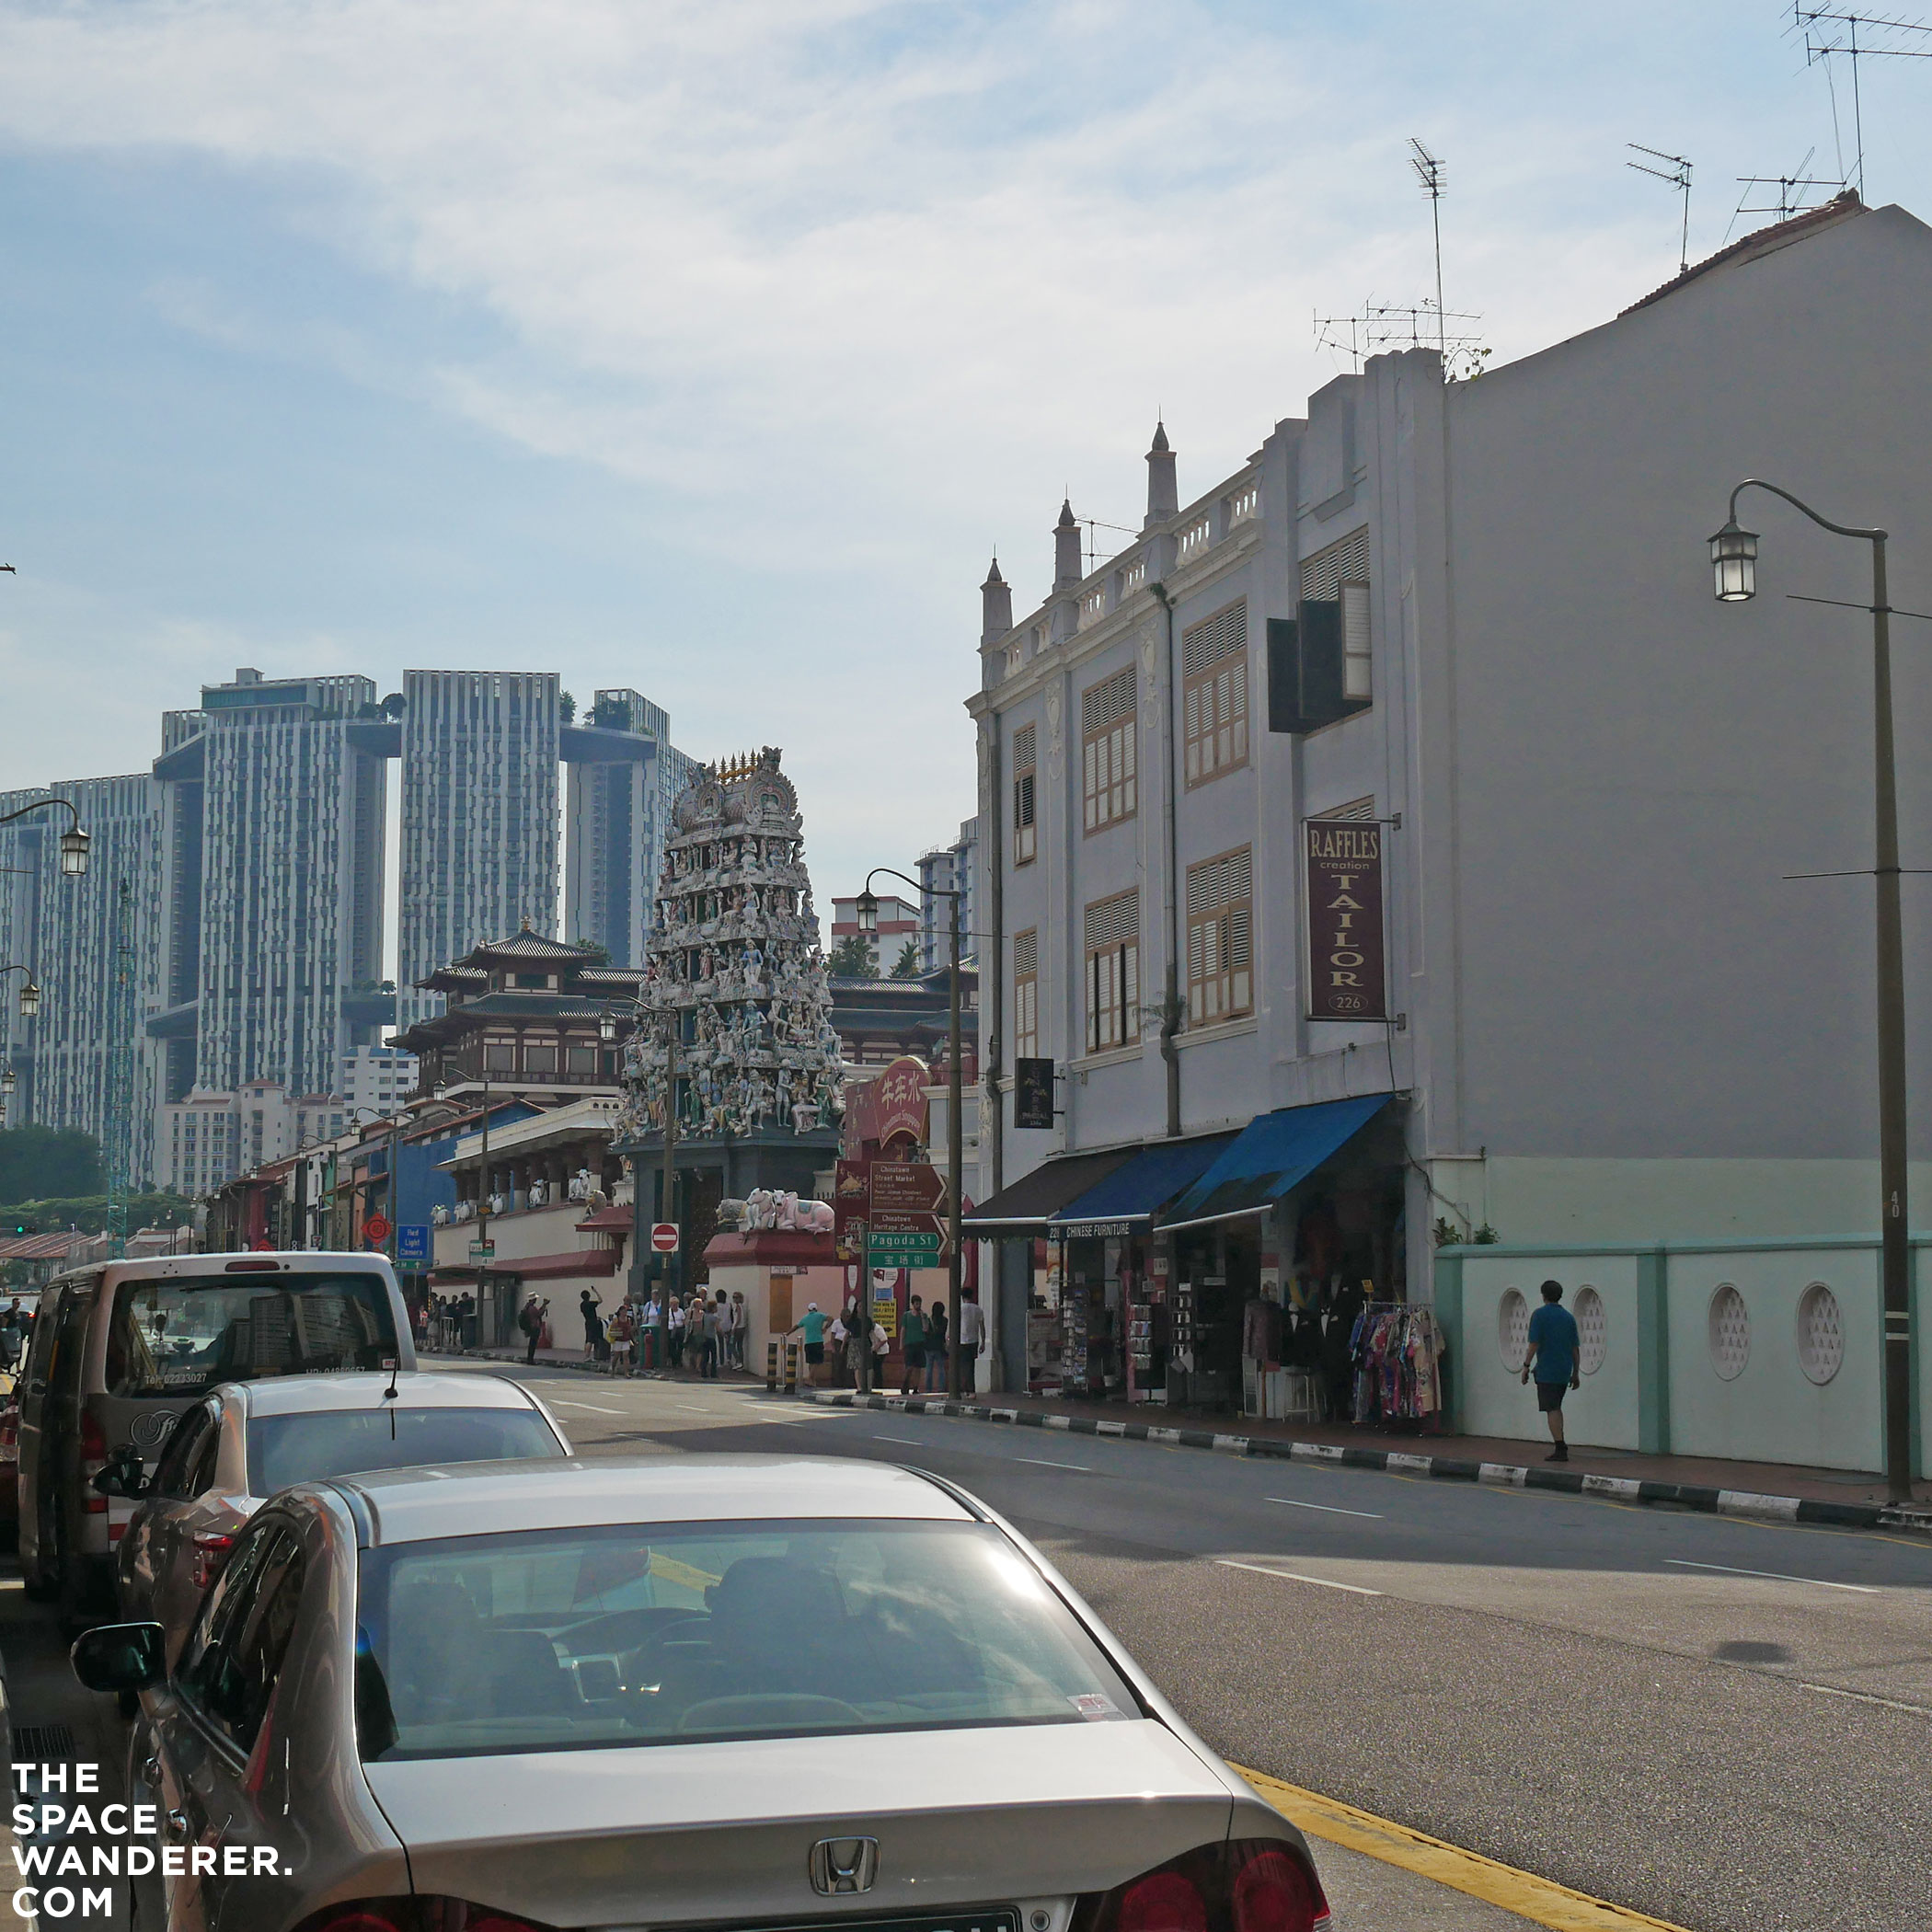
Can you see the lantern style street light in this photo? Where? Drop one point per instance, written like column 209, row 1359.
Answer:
column 29, row 991
column 74, row 841
column 955, row 1156
column 1734, row 553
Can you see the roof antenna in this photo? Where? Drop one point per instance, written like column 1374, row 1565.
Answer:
column 1428, row 172
column 1822, row 38
column 393, row 1363
column 1679, row 177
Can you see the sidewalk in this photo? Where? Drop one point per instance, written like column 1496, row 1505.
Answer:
column 1842, row 1497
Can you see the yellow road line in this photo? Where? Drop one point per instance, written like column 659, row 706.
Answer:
column 1541, row 1901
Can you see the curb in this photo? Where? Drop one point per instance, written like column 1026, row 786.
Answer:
column 1441, row 1469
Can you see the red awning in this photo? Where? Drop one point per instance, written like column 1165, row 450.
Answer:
column 609, row 1221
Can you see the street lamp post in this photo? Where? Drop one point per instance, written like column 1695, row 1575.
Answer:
column 1733, row 555
column 29, row 991
column 955, row 1151
column 75, row 841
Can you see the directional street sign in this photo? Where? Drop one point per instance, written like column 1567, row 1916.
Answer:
column 905, row 1250
column 482, row 1250
column 664, row 1236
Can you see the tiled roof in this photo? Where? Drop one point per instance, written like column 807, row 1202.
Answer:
column 1765, row 241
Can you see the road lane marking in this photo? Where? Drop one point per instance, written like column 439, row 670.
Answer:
column 1831, row 1690
column 1295, row 1576
column 596, row 1407
column 1042, row 1463
column 1328, row 1508
column 1773, row 1576
column 912, row 1439
column 1541, row 1901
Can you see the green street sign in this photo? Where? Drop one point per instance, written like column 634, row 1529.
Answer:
column 482, row 1250
column 900, row 1251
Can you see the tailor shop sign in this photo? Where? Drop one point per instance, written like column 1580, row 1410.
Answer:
column 1345, row 952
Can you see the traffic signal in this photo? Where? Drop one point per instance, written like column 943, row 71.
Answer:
column 26, row 1227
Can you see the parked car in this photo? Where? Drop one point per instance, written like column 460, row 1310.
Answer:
column 228, row 1453
column 700, row 1691
column 10, row 1471
column 122, row 1347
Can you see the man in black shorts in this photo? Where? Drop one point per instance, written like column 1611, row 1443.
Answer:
column 1555, row 1359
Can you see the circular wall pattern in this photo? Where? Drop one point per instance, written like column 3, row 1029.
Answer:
column 1730, row 1333
column 1512, row 1330
column 1593, row 1330
column 1821, row 1334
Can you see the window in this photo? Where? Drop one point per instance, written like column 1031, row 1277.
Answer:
column 1221, row 937
column 315, row 1445
column 1338, row 580
column 539, row 1056
column 1106, row 729
column 1213, row 655
column 1024, row 832
column 1113, row 971
column 176, row 1473
column 234, row 1653
column 480, row 1645
column 499, row 1056
column 1026, row 993
column 581, row 1060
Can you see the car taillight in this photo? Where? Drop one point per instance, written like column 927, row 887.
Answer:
column 420, row 1915
column 93, row 1460
column 1248, row 1885
column 211, row 1555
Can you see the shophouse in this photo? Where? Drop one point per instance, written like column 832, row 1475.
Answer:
column 1391, row 844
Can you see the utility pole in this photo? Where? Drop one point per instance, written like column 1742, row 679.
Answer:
column 671, row 1260
column 954, row 1166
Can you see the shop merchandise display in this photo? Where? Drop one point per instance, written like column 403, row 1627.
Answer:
column 1397, row 1349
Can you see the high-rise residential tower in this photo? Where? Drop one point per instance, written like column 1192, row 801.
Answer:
column 292, row 774
column 625, row 772
column 479, row 809
column 92, row 944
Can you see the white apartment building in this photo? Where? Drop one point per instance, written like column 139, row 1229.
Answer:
column 209, row 1138
column 947, row 868
column 378, row 1079
column 1478, row 620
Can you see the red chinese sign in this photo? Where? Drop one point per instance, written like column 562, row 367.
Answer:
column 890, row 1106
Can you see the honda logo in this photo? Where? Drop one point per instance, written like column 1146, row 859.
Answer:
column 842, row 1865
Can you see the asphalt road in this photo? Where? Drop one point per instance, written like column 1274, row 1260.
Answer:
column 1725, row 1724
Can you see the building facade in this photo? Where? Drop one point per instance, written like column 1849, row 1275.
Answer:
column 947, row 868
column 479, row 817
column 1469, row 629
column 897, row 927
column 92, row 944
column 376, row 1078
column 208, row 1138
column 624, row 775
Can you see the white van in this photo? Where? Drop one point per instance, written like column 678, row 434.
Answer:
column 120, row 1350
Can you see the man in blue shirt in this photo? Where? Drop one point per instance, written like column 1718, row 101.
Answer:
column 1553, row 1358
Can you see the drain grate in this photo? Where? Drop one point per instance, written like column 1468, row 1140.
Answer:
column 42, row 1744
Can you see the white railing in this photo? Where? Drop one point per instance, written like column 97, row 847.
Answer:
column 1198, row 535
column 1245, row 503
column 1133, row 577
column 1093, row 606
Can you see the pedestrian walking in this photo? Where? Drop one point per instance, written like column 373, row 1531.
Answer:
column 813, row 1329
column 593, row 1324
column 675, row 1334
column 858, row 1347
column 936, row 1354
column 530, row 1319
column 973, row 1338
column 621, row 1333
column 741, row 1321
column 650, row 1337
column 715, row 1321
column 912, row 1348
column 1555, row 1359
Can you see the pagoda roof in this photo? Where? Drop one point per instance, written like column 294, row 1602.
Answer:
column 509, row 1006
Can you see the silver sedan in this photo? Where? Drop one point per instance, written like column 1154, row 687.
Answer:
column 731, row 1691
column 245, row 1440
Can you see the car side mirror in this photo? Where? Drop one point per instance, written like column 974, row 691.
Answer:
column 124, row 1476
column 120, row 1657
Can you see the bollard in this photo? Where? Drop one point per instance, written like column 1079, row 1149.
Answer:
column 791, row 1368
column 771, row 1368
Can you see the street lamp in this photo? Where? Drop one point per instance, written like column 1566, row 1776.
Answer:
column 75, row 841
column 955, row 1152
column 29, row 991
column 1734, row 553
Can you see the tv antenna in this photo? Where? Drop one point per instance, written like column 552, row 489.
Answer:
column 1791, row 190
column 1828, row 32
column 1428, row 172
column 1401, row 325
column 1678, row 175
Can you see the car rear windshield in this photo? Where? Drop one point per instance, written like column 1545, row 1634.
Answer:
column 609, row 1638
column 310, row 1448
column 181, row 1334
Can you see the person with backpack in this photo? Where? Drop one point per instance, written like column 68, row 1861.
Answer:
column 531, row 1321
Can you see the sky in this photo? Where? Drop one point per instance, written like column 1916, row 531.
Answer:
column 711, row 348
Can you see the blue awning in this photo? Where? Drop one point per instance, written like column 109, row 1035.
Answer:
column 1270, row 1155
column 1139, row 1189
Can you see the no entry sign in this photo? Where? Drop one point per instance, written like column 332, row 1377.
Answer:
column 664, row 1236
